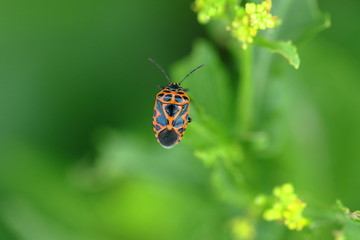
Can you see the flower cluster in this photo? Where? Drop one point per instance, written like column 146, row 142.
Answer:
column 245, row 22
column 208, row 9
column 250, row 20
column 287, row 208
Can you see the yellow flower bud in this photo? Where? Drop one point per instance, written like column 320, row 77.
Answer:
column 287, row 208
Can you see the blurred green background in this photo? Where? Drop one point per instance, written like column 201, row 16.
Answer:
column 78, row 159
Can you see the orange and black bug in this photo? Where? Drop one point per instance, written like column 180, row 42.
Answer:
column 171, row 111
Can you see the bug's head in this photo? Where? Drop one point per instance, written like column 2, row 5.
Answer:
column 173, row 87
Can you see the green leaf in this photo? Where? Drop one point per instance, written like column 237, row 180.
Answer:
column 209, row 86
column 285, row 49
column 210, row 93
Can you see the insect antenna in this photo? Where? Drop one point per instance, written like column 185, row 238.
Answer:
column 161, row 68
column 191, row 73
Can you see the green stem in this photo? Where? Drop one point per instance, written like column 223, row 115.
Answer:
column 245, row 94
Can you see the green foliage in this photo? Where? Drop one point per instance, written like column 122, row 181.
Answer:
column 224, row 139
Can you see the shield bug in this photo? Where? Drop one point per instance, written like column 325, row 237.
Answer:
column 171, row 111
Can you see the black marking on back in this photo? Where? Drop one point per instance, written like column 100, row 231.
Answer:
column 168, row 138
column 178, row 99
column 167, row 97
column 171, row 110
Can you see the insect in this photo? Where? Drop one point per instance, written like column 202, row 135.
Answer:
column 171, row 111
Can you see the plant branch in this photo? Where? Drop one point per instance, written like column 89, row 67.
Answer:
column 244, row 102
